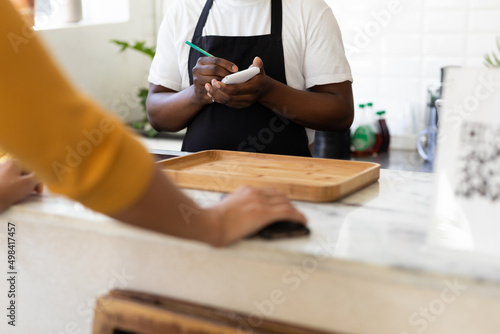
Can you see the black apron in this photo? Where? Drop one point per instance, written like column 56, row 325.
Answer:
column 252, row 129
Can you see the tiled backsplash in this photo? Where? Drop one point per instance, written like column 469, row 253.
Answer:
column 95, row 64
column 397, row 47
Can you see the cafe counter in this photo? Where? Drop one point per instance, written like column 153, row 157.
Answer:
column 372, row 264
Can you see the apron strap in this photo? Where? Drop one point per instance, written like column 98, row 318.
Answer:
column 203, row 18
column 276, row 18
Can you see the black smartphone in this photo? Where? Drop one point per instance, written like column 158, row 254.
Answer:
column 283, row 229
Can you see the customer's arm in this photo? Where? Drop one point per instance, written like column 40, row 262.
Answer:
column 83, row 153
column 165, row 209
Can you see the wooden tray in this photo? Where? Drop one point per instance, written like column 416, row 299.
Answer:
column 308, row 179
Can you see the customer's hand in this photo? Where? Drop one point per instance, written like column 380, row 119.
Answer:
column 15, row 185
column 241, row 95
column 248, row 209
column 207, row 69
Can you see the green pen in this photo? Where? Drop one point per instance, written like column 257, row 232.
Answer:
column 199, row 49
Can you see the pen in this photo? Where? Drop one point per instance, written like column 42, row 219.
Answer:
column 199, row 49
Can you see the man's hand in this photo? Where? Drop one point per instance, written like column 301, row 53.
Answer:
column 242, row 95
column 15, row 185
column 206, row 70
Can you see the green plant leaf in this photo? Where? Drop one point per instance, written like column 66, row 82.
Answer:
column 138, row 46
column 487, row 60
column 493, row 60
column 150, row 132
column 124, row 45
column 142, row 93
column 497, row 61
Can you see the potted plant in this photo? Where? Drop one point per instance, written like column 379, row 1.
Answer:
column 143, row 125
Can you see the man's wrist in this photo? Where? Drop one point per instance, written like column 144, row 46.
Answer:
column 269, row 90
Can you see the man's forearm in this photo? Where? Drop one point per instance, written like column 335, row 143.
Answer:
column 172, row 111
column 328, row 107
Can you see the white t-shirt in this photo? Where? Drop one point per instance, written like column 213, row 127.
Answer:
column 312, row 42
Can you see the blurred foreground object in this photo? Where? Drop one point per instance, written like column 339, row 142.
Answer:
column 122, row 311
column 27, row 9
column 467, row 165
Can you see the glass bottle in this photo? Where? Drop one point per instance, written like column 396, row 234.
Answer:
column 384, row 131
column 363, row 137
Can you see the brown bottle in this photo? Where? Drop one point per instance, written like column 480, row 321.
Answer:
column 384, row 131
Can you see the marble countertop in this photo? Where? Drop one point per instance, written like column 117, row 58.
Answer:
column 386, row 224
column 405, row 160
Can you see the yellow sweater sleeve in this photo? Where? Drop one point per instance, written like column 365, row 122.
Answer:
column 3, row 157
column 74, row 147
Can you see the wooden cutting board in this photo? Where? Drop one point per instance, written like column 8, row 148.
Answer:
column 301, row 178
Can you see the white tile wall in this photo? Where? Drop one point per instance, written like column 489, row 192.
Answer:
column 94, row 64
column 397, row 47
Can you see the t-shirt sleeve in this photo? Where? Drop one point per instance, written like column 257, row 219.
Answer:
column 74, row 147
column 164, row 69
column 325, row 60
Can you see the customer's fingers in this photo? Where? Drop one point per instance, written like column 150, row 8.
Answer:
column 39, row 188
column 27, row 184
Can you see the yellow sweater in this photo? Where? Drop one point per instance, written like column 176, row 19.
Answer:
column 4, row 157
column 75, row 148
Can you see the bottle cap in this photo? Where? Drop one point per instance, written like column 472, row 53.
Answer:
column 381, row 112
column 369, row 104
column 361, row 105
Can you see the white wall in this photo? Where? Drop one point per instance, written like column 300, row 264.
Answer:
column 94, row 64
column 394, row 57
